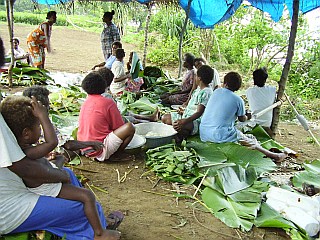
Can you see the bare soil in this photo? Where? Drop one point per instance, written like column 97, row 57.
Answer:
column 151, row 211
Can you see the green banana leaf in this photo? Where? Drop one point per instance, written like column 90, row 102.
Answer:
column 233, row 214
column 309, row 176
column 313, row 166
column 143, row 105
column 259, row 133
column 235, row 153
column 17, row 236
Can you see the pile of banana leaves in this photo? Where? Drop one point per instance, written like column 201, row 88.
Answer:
column 24, row 75
column 231, row 188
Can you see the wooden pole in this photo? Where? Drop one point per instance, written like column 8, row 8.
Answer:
column 149, row 7
column 286, row 67
column 181, row 36
column 9, row 8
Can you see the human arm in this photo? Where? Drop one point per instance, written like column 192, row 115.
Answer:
column 51, row 140
column 122, row 78
column 39, row 171
column 47, row 32
column 194, row 87
column 98, row 65
column 245, row 117
column 178, row 125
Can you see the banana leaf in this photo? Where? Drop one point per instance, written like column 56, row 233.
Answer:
column 233, row 214
column 309, row 176
column 313, row 166
column 235, row 153
column 143, row 104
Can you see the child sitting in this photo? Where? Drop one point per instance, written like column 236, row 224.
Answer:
column 187, row 122
column 100, row 120
column 218, row 120
column 118, row 84
column 24, row 117
column 260, row 97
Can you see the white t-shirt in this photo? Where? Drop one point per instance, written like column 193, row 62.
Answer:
column 216, row 80
column 260, row 98
column 118, row 71
column 16, row 202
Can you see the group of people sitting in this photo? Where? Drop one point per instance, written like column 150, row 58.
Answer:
column 37, row 192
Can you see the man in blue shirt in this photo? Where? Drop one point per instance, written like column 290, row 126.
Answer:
column 223, row 109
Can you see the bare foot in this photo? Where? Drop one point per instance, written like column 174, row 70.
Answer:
column 155, row 116
column 279, row 157
column 109, row 235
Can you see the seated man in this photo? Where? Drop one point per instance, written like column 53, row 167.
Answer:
column 187, row 122
column 223, row 109
column 19, row 53
column 108, row 62
column 261, row 96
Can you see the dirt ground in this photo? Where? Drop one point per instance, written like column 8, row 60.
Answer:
column 151, row 211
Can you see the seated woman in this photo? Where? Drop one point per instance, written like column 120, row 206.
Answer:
column 100, row 120
column 178, row 98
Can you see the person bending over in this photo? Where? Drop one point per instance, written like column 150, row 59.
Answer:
column 100, row 120
column 24, row 117
column 223, row 109
column 261, row 96
column 186, row 122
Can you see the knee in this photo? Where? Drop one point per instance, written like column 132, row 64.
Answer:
column 166, row 118
column 130, row 128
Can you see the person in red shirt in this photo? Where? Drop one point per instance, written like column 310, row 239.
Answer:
column 100, row 120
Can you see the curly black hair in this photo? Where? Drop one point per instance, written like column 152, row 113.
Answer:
column 93, row 83
column 233, row 81
column 17, row 112
column 109, row 15
column 205, row 73
column 106, row 74
column 40, row 93
column 51, row 14
column 189, row 58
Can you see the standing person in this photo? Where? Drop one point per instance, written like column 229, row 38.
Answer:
column 261, row 96
column 109, row 34
column 223, row 109
column 39, row 39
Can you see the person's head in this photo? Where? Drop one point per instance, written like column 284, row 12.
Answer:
column 106, row 74
column 120, row 54
column 15, row 42
column 188, row 60
column 198, row 62
column 94, row 84
column 52, row 16
column 108, row 16
column 115, row 46
column 1, row 53
column 40, row 93
column 260, row 76
column 232, row 81
column 205, row 74
column 17, row 112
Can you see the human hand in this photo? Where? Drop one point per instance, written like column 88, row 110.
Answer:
column 38, row 109
column 96, row 145
column 248, row 114
column 180, row 110
column 177, row 125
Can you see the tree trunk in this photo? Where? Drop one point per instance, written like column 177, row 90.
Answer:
column 9, row 7
column 286, row 67
column 149, row 6
column 181, row 36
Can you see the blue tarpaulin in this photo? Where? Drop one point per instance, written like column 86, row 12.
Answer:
column 207, row 13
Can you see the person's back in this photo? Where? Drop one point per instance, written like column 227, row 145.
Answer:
column 261, row 96
column 221, row 113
